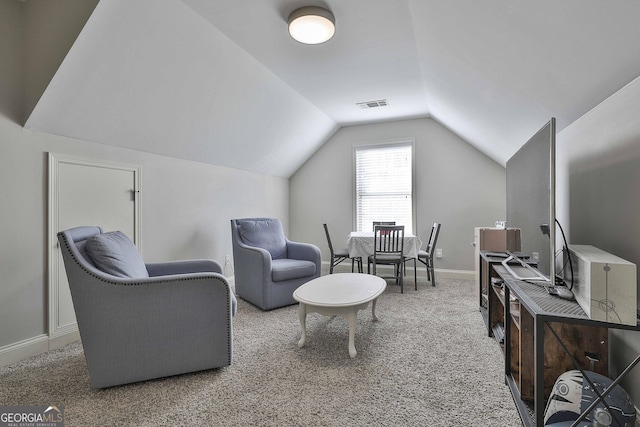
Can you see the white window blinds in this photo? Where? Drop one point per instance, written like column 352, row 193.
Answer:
column 384, row 185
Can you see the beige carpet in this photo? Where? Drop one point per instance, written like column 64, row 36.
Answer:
column 427, row 362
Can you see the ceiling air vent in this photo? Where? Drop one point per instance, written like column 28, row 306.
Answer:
column 373, row 104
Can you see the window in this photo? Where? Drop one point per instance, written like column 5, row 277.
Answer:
column 384, row 185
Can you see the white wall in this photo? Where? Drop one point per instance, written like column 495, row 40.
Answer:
column 456, row 185
column 598, row 198
column 185, row 209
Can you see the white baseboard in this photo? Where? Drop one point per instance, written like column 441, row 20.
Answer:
column 449, row 274
column 23, row 349
column 456, row 274
column 16, row 352
column 62, row 340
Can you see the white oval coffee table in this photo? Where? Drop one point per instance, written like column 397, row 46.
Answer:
column 341, row 294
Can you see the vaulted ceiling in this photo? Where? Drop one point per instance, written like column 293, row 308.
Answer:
column 221, row 81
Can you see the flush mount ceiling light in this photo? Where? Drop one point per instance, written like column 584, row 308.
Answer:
column 311, row 25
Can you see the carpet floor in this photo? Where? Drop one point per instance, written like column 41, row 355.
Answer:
column 426, row 362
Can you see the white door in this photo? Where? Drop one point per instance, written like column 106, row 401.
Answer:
column 85, row 192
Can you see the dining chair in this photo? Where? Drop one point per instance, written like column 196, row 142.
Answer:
column 388, row 249
column 426, row 256
column 375, row 223
column 339, row 255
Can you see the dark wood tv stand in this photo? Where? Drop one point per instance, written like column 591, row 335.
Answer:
column 486, row 298
column 542, row 337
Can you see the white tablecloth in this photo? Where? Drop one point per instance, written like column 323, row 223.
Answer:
column 360, row 244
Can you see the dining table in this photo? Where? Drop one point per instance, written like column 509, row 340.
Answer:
column 360, row 244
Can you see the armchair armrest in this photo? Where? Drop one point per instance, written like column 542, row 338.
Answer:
column 177, row 279
column 253, row 256
column 305, row 251
column 184, row 267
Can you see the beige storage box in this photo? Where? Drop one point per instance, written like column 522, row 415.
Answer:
column 499, row 239
column 494, row 240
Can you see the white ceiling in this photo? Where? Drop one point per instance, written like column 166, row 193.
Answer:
column 221, row 81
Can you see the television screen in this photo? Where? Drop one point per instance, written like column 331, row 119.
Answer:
column 531, row 196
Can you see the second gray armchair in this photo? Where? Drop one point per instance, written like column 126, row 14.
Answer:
column 268, row 266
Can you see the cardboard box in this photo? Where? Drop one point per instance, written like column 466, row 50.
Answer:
column 500, row 239
column 604, row 284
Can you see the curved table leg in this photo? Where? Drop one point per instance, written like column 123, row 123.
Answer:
column 373, row 310
column 351, row 317
column 302, row 315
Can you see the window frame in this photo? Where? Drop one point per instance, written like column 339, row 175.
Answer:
column 383, row 144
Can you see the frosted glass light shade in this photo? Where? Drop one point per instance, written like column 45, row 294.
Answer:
column 311, row 25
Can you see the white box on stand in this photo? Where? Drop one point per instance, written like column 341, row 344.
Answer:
column 604, row 285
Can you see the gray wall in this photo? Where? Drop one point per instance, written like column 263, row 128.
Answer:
column 185, row 206
column 456, row 185
column 598, row 195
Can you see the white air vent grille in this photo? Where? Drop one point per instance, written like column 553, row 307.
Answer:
column 373, row 104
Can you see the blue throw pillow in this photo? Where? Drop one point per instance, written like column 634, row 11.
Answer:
column 115, row 254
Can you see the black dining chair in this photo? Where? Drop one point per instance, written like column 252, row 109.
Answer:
column 339, row 255
column 426, row 256
column 388, row 249
column 375, row 223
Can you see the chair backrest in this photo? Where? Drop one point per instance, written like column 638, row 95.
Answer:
column 433, row 238
column 388, row 240
column 266, row 233
column 326, row 231
column 375, row 223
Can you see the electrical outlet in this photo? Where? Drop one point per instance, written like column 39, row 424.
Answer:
column 438, row 253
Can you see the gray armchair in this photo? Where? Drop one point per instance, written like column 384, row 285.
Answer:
column 268, row 266
column 170, row 318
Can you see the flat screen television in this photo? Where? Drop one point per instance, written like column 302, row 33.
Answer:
column 531, row 197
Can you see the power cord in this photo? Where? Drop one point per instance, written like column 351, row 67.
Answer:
column 565, row 248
